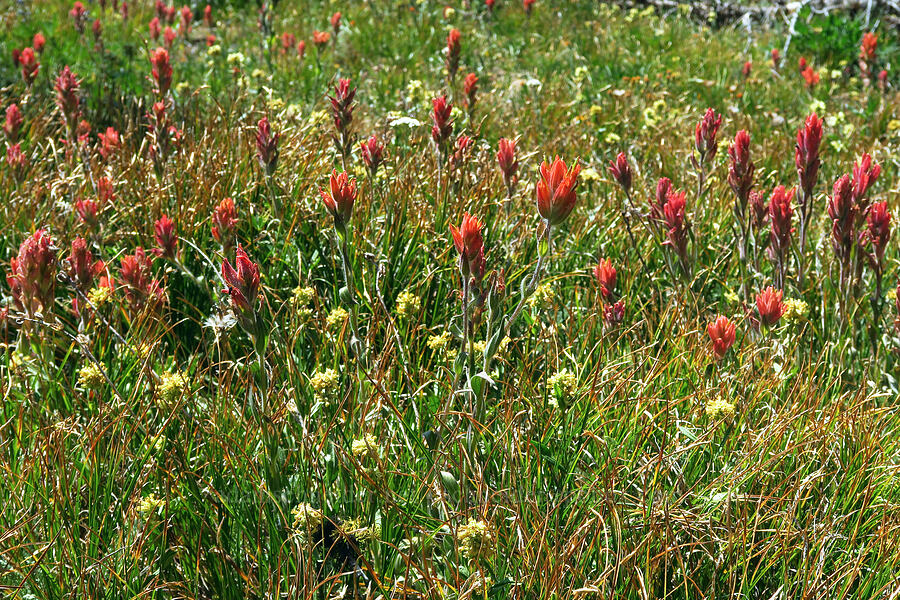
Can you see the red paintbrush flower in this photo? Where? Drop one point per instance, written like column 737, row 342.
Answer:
column 781, row 211
column 67, row 99
column 770, row 306
column 13, row 122
column 32, row 275
column 110, row 142
column 87, row 211
column 17, row 161
column 621, row 172
column 740, row 168
column 721, row 333
column 78, row 14
column 335, row 21
column 81, row 266
column 555, row 191
column 30, row 65
column 372, row 151
column 879, row 231
column 242, row 280
column 187, row 17
column 865, row 173
column 868, row 46
column 320, row 39
column 161, row 71
column 810, row 77
column 339, row 198
column 705, row 133
column 470, row 87
column 806, row 153
column 614, row 314
column 469, row 244
column 166, row 237
column 155, row 28
column 509, row 164
column 453, row 51
column 842, row 212
column 443, row 125
column 605, row 274
column 266, row 146
column 224, row 222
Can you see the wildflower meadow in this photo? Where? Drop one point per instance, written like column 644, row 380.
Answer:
column 408, row 299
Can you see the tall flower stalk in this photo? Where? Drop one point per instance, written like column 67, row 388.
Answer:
column 806, row 159
column 338, row 200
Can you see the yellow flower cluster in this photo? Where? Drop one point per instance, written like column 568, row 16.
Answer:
column 99, row 296
column 795, row 309
column 719, row 407
column 408, row 304
column 542, row 297
column 90, row 377
column 148, row 504
column 476, row 541
column 172, row 386
column 438, row 342
column 300, row 299
column 336, row 318
column 565, row 381
column 361, row 533
column 365, row 448
column 307, row 520
column 325, row 383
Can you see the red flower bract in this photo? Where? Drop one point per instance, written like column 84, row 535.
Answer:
column 865, row 173
column 470, row 88
column 443, row 126
column 30, row 65
column 781, row 212
column 621, row 171
column 721, row 333
column 335, row 22
column 770, row 306
column 67, row 86
column 166, row 238
column 879, row 231
column 242, row 280
column 110, row 142
column 605, row 274
column 469, row 243
column 155, row 28
column 806, row 154
column 32, row 275
column 266, row 146
column 705, row 135
column 555, row 191
column 339, row 198
column 224, row 221
column 82, row 268
column 842, row 212
column 161, row 71
column 453, row 50
column 13, row 122
column 372, row 151
column 868, row 46
column 141, row 289
column 614, row 314
column 740, row 168
column 509, row 163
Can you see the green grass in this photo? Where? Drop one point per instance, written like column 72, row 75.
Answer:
column 625, row 485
